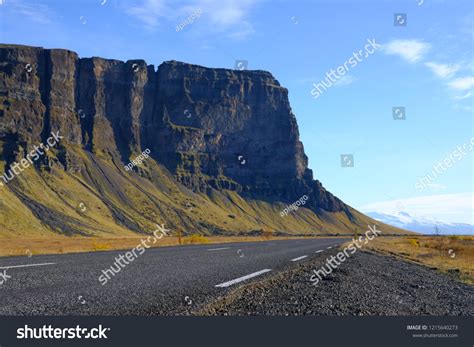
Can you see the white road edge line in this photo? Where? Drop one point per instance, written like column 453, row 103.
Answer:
column 319, row 251
column 299, row 258
column 218, row 249
column 27, row 265
column 243, row 278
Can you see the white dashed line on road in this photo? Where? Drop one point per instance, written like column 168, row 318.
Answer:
column 319, row 251
column 329, row 247
column 218, row 249
column 299, row 258
column 243, row 278
column 27, row 265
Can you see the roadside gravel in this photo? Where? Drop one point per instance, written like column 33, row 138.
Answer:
column 365, row 284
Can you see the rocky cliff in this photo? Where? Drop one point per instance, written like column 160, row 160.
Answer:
column 219, row 139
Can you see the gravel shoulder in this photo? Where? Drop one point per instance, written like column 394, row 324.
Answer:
column 365, row 284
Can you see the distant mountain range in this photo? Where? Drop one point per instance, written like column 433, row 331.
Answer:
column 421, row 224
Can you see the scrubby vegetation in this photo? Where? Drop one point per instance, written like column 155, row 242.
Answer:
column 451, row 254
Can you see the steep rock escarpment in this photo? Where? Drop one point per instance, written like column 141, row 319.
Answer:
column 224, row 124
column 210, row 131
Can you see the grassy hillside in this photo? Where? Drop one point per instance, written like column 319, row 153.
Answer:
column 99, row 198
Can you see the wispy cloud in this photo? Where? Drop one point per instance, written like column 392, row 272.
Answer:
column 415, row 51
column 442, row 70
column 436, row 186
column 149, row 12
column 463, row 108
column 229, row 16
column 411, row 51
column 465, row 96
column 33, row 11
column 345, row 81
column 226, row 13
column 462, row 83
column 245, row 29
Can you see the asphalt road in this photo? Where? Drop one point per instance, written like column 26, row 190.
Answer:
column 165, row 280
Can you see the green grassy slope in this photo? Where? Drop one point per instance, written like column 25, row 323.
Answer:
column 102, row 199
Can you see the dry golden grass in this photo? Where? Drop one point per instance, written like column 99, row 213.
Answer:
column 449, row 254
column 195, row 239
column 59, row 245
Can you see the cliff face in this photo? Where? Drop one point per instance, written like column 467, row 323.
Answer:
column 214, row 130
column 235, row 130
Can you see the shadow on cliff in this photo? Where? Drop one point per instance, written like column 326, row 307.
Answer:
column 117, row 109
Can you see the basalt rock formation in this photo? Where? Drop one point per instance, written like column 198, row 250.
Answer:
column 224, row 146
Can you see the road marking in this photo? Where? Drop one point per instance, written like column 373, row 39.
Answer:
column 299, row 258
column 243, row 278
column 329, row 247
column 319, row 251
column 218, row 249
column 27, row 265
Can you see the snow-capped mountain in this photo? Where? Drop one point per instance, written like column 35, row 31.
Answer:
column 421, row 224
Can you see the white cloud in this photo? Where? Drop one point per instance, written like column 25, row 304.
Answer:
column 410, row 50
column 245, row 29
column 345, row 81
column 463, row 108
column 149, row 12
column 436, row 186
column 229, row 16
column 36, row 12
column 462, row 83
column 465, row 96
column 442, row 70
column 227, row 12
column 414, row 51
column 448, row 208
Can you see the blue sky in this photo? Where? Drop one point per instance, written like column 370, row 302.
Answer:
column 425, row 66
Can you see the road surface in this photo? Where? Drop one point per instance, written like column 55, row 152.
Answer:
column 165, row 280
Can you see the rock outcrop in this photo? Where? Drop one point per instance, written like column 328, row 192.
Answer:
column 212, row 129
